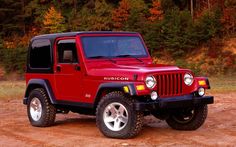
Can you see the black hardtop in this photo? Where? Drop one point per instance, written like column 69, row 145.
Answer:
column 51, row 38
column 73, row 34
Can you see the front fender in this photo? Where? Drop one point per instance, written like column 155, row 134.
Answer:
column 113, row 86
column 118, row 86
column 202, row 82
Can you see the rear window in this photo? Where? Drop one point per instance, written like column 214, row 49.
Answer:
column 40, row 54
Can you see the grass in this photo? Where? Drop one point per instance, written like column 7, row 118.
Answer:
column 12, row 89
column 223, row 84
column 16, row 89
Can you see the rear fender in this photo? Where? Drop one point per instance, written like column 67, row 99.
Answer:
column 39, row 83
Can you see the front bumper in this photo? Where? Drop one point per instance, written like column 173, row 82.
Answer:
column 173, row 102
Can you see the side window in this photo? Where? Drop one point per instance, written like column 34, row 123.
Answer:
column 40, row 54
column 66, row 51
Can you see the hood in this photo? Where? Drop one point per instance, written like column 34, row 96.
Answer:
column 141, row 70
column 148, row 68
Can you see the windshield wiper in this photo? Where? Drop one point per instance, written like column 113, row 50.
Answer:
column 97, row 57
column 130, row 56
column 102, row 57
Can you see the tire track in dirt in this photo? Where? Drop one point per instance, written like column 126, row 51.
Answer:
column 80, row 130
column 24, row 139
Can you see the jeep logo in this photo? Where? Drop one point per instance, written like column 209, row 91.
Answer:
column 116, row 78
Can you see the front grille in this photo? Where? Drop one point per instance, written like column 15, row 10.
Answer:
column 169, row 84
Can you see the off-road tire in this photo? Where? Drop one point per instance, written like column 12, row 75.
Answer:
column 48, row 110
column 135, row 119
column 199, row 117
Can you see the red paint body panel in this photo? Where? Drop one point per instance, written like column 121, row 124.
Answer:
column 82, row 86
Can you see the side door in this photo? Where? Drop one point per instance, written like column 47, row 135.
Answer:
column 67, row 70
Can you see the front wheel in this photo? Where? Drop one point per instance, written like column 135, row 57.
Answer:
column 187, row 118
column 116, row 116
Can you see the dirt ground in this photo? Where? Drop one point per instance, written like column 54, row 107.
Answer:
column 79, row 130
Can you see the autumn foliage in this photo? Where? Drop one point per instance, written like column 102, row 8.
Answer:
column 156, row 11
column 53, row 21
column 168, row 28
column 121, row 14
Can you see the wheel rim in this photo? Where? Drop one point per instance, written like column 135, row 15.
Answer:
column 115, row 116
column 35, row 109
column 184, row 116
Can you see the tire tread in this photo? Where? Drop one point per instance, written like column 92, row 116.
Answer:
column 138, row 120
column 194, row 124
column 50, row 111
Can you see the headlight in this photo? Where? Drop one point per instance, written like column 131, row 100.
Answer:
column 150, row 81
column 188, row 79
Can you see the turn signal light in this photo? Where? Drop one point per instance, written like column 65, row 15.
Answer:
column 126, row 89
column 140, row 87
column 202, row 82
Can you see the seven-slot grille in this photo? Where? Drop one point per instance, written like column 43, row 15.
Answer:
column 169, row 84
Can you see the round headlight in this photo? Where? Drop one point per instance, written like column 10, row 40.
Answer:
column 150, row 81
column 188, row 79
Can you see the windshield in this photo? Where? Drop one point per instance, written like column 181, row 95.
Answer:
column 113, row 46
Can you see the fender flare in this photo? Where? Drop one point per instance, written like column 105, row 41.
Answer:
column 114, row 85
column 39, row 83
column 207, row 86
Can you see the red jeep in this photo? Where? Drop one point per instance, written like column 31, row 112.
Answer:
column 110, row 75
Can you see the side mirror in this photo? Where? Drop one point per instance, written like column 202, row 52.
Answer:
column 77, row 67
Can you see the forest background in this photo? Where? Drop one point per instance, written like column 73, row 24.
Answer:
column 195, row 34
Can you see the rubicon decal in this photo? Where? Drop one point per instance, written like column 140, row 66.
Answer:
column 116, row 78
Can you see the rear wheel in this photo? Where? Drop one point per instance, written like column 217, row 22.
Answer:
column 116, row 116
column 41, row 112
column 187, row 118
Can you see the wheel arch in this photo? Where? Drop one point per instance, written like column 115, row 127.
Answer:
column 39, row 83
column 105, row 88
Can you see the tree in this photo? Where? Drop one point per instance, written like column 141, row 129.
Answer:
column 1, row 47
column 12, row 18
column 101, row 19
column 120, row 14
column 137, row 20
column 95, row 19
column 53, row 21
column 155, row 11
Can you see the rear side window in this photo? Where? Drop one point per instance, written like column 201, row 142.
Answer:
column 40, row 54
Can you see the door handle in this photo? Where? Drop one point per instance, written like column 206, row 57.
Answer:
column 77, row 67
column 58, row 68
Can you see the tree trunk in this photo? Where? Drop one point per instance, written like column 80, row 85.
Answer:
column 208, row 5
column 75, row 6
column 191, row 7
column 23, row 12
